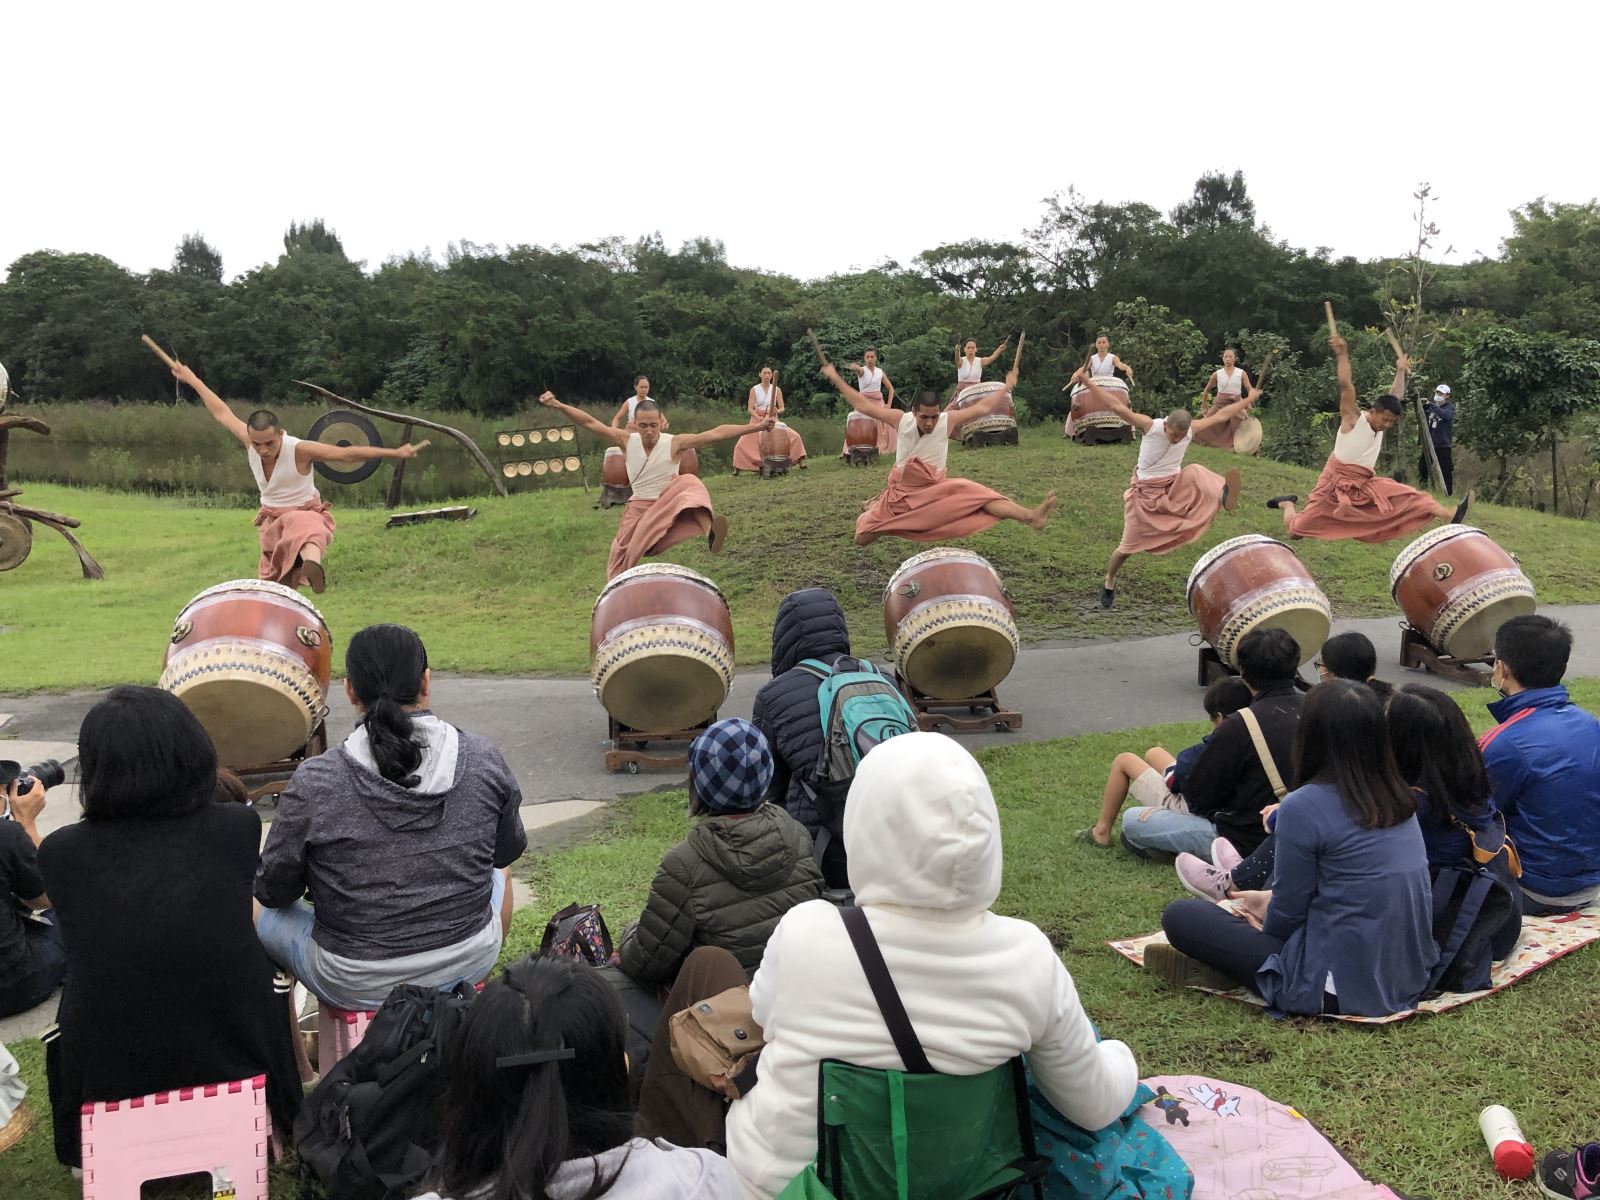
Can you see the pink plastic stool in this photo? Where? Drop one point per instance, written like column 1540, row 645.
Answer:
column 339, row 1031
column 221, row 1128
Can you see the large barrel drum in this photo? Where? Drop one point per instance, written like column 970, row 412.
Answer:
column 661, row 648
column 949, row 623
column 860, row 430
column 1087, row 412
column 1256, row 582
column 1004, row 416
column 773, row 443
column 251, row 660
column 688, row 462
column 1456, row 587
column 614, row 471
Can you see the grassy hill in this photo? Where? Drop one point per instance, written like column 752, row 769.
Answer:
column 511, row 591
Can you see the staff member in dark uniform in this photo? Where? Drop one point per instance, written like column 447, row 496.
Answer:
column 1442, row 429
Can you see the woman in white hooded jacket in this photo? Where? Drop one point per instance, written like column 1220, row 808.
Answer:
column 923, row 839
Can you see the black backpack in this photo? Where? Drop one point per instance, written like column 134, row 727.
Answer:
column 369, row 1129
column 1474, row 909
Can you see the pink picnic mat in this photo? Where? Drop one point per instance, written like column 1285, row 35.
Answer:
column 1544, row 939
column 1242, row 1146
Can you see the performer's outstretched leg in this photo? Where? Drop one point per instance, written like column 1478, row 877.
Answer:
column 1010, row 510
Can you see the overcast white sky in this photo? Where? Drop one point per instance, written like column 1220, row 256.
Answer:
column 810, row 138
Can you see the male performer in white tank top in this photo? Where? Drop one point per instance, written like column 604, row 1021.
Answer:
column 920, row 503
column 666, row 507
column 1351, row 500
column 1167, row 504
column 293, row 521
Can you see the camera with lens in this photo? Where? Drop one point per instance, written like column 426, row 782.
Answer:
column 49, row 773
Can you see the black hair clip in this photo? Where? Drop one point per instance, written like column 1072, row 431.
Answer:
column 537, row 1057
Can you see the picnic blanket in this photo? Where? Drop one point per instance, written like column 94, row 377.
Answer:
column 1544, row 939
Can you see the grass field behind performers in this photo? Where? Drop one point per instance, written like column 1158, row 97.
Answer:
column 510, row 592
column 1401, row 1100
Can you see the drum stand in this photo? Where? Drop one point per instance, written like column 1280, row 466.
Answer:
column 612, row 494
column 992, row 437
column 984, row 712
column 1212, row 668
column 774, row 465
column 276, row 775
column 861, row 456
column 1417, row 653
column 627, row 750
column 1103, row 435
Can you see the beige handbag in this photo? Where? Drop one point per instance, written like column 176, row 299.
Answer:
column 718, row 1037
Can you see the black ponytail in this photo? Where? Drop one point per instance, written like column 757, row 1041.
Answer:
column 385, row 664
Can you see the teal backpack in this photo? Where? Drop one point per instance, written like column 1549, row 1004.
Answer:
column 860, row 708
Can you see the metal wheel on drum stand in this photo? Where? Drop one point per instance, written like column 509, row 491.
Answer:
column 774, row 465
column 628, row 747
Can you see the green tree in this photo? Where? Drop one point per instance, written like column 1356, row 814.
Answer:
column 313, row 236
column 196, row 258
column 1218, row 199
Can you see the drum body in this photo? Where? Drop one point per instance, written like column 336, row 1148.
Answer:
column 773, row 443
column 614, row 471
column 1004, row 416
column 251, row 660
column 1256, row 582
column 688, row 462
column 950, row 625
column 1085, row 410
column 861, row 430
column 661, row 648
column 1456, row 587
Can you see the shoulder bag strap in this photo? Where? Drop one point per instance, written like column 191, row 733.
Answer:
column 883, row 991
column 1265, row 755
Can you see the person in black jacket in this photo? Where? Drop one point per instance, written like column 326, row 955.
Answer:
column 1227, row 788
column 809, row 624
column 1441, row 415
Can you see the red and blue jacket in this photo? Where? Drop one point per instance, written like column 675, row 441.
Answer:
column 1544, row 762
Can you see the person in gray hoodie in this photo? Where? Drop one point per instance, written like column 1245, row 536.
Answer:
column 400, row 838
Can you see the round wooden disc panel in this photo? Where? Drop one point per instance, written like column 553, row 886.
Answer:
column 16, row 539
column 341, row 427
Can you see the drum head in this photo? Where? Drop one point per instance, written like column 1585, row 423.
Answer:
column 1247, row 438
column 341, row 427
column 1308, row 626
column 249, row 724
column 1474, row 637
column 663, row 692
column 959, row 662
column 16, row 539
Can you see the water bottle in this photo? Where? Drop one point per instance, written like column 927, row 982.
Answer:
column 1513, row 1156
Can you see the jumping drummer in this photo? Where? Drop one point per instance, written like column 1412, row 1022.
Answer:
column 1167, row 504
column 641, row 393
column 920, row 502
column 294, row 521
column 1351, row 500
column 872, row 381
column 969, row 367
column 1230, row 381
column 666, row 507
column 765, row 400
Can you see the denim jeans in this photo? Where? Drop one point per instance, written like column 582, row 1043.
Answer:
column 1167, row 832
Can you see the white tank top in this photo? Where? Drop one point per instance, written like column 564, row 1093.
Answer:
column 1229, row 385
column 932, row 448
column 1361, row 446
column 871, row 380
column 633, row 403
column 287, row 488
column 970, row 371
column 1101, row 364
column 649, row 474
column 1159, row 457
column 763, row 400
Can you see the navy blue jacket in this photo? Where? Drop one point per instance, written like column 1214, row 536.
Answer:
column 1544, row 762
column 1442, row 423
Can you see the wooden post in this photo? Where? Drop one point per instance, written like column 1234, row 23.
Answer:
column 399, row 471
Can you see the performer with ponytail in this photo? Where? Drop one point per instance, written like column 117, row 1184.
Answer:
column 401, row 837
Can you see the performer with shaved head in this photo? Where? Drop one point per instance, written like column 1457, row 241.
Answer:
column 920, row 502
column 666, row 508
column 294, row 522
column 1167, row 504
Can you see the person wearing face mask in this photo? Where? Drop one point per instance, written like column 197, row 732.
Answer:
column 920, row 502
column 1442, row 432
column 1543, row 759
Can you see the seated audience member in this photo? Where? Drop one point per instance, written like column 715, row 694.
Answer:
column 167, row 986
column 1544, row 762
column 1351, row 656
column 809, row 624
column 1226, row 789
column 923, row 837
column 32, row 961
column 400, row 837
column 1348, row 926
column 1155, row 779
column 536, row 1100
column 743, row 866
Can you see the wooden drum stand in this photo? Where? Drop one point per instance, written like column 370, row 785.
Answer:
column 270, row 779
column 984, row 712
column 1418, row 653
column 627, row 751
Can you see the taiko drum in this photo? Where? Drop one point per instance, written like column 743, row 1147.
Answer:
column 250, row 659
column 861, row 430
column 688, row 462
column 1456, row 587
column 661, row 648
column 614, row 468
column 1003, row 417
column 1256, row 582
column 950, row 625
column 1087, row 411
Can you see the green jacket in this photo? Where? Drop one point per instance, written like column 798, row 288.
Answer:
column 727, row 884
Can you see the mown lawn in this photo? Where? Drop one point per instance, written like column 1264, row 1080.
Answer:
column 1401, row 1100
column 511, row 591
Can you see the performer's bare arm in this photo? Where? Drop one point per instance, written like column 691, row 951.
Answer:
column 1126, row 369
column 1223, row 412
column 750, row 404
column 215, row 404
column 1205, row 392
column 957, row 417
column 960, row 342
column 609, row 433
column 1402, row 368
column 989, row 358
column 1137, row 419
column 621, row 419
column 889, row 388
column 875, row 409
column 720, row 433
column 308, row 452
column 1349, row 406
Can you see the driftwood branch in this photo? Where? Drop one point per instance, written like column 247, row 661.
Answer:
column 18, row 421
column 471, row 446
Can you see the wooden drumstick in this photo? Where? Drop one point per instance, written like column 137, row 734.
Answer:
column 1399, row 352
column 816, row 348
column 419, row 447
column 159, row 352
column 1016, row 362
column 1333, row 326
column 1261, row 378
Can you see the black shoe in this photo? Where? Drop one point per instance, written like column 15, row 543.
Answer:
column 1277, row 500
column 1461, row 509
column 1570, row 1173
column 1107, row 596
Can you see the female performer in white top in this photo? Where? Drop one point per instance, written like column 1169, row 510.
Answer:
column 1230, row 382
column 1103, row 364
column 969, row 367
column 765, row 400
column 872, row 381
column 641, row 392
